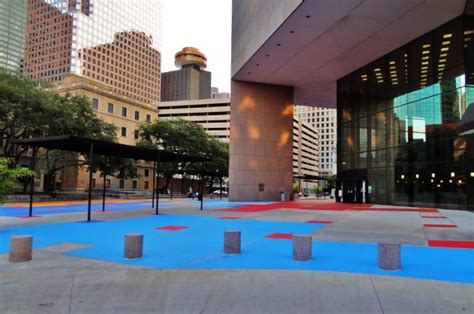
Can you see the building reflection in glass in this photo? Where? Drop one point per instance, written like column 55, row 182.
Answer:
column 406, row 124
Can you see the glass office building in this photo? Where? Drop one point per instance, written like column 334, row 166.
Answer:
column 115, row 42
column 12, row 29
column 406, row 123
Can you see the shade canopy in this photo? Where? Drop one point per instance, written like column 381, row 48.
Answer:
column 100, row 147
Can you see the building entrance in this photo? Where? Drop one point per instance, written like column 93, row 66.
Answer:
column 352, row 186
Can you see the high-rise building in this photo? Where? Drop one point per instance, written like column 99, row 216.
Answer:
column 12, row 30
column 190, row 81
column 305, row 149
column 214, row 116
column 113, row 42
column 216, row 94
column 401, row 75
column 325, row 121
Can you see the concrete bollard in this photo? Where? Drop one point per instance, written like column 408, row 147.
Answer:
column 21, row 248
column 232, row 242
column 133, row 246
column 302, row 247
column 389, row 256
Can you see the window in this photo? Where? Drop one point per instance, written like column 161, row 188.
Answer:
column 137, row 115
column 147, row 172
column 121, row 184
column 148, row 118
column 136, row 134
column 146, row 185
column 124, row 112
column 134, row 184
column 95, row 103
column 110, row 108
column 124, row 131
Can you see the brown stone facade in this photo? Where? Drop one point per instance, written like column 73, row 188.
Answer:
column 48, row 42
column 261, row 141
column 129, row 64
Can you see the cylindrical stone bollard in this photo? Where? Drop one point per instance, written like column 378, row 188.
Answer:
column 232, row 242
column 21, row 248
column 133, row 246
column 389, row 256
column 302, row 249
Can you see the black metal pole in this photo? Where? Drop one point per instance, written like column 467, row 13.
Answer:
column 202, row 190
column 32, row 182
column 89, row 201
column 154, row 184
column 220, row 188
column 157, row 187
column 103, row 188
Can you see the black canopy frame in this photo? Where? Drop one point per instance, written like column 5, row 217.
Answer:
column 90, row 147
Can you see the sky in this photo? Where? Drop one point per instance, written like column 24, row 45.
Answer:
column 204, row 24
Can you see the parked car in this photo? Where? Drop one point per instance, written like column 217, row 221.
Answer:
column 218, row 192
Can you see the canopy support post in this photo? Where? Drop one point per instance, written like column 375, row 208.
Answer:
column 154, row 184
column 89, row 199
column 32, row 182
column 157, row 186
column 103, row 188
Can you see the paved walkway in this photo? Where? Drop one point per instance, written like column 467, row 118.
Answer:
column 78, row 267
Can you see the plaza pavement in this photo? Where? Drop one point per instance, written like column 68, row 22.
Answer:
column 57, row 282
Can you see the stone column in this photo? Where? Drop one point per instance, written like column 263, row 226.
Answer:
column 389, row 256
column 261, row 141
column 232, row 242
column 21, row 248
column 302, row 247
column 133, row 246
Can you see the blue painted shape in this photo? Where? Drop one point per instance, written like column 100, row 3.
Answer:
column 200, row 247
column 11, row 211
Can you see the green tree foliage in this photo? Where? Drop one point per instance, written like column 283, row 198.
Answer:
column 10, row 176
column 27, row 110
column 186, row 137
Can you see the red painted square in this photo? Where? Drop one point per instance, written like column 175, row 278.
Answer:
column 439, row 226
column 466, row 244
column 229, row 217
column 433, row 217
column 287, row 236
column 27, row 217
column 319, row 221
column 171, row 228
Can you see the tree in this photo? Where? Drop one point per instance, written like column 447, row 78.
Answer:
column 27, row 110
column 189, row 138
column 10, row 176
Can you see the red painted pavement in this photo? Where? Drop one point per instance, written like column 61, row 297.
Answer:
column 439, row 226
column 466, row 244
column 319, row 221
column 171, row 228
column 286, row 236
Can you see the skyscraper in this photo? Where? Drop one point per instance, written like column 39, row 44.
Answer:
column 190, row 81
column 113, row 42
column 12, row 29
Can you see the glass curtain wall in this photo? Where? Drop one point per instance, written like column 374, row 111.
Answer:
column 406, row 123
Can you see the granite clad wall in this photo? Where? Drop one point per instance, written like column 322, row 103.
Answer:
column 261, row 141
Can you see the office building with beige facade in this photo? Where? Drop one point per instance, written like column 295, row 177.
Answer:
column 126, row 114
column 325, row 121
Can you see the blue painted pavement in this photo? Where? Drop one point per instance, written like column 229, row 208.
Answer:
column 200, row 247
